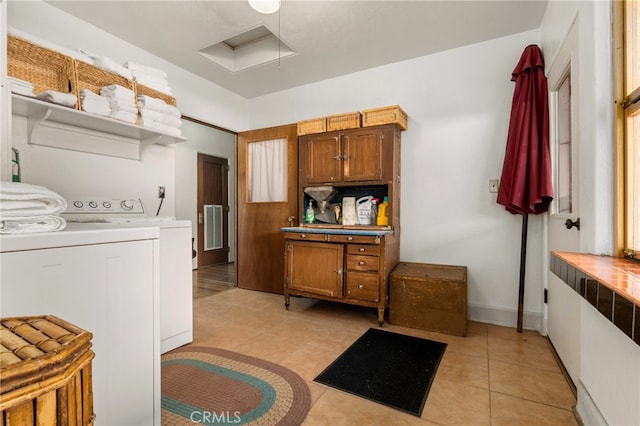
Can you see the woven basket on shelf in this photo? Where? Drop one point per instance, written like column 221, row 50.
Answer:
column 46, row 69
column 45, row 365
column 311, row 126
column 385, row 115
column 152, row 93
column 94, row 78
column 350, row 120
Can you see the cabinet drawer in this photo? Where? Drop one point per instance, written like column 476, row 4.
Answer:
column 305, row 237
column 364, row 239
column 362, row 286
column 363, row 249
column 362, row 263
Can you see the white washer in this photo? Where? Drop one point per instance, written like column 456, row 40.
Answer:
column 176, row 286
column 104, row 280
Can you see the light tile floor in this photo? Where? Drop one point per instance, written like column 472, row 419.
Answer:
column 494, row 376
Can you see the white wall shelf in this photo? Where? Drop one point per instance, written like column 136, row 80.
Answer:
column 66, row 128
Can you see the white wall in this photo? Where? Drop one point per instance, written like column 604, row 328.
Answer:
column 458, row 104
column 81, row 174
column 205, row 140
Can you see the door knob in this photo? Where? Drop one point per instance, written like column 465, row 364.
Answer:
column 570, row 223
column 200, row 218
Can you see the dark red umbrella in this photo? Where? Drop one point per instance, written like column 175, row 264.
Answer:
column 525, row 185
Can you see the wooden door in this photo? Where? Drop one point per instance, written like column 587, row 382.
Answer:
column 362, row 154
column 213, row 210
column 322, row 157
column 260, row 249
column 315, row 268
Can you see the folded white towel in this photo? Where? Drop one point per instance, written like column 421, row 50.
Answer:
column 24, row 199
column 110, row 65
column 87, row 93
column 118, row 91
column 159, row 117
column 95, row 106
column 127, row 116
column 136, row 67
column 60, row 98
column 160, row 127
column 30, row 224
column 47, row 44
column 155, row 104
column 131, row 108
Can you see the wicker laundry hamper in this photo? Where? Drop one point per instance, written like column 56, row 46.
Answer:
column 45, row 372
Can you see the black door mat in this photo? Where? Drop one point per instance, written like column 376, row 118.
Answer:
column 389, row 368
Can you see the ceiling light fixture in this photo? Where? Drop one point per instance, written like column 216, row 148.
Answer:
column 265, row 6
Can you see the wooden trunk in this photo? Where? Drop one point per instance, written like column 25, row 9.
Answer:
column 429, row 297
column 45, row 365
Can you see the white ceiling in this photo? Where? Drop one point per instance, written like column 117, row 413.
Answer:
column 330, row 38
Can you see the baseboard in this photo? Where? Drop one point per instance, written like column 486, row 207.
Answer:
column 505, row 317
column 586, row 410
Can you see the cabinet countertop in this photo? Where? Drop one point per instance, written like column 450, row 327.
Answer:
column 337, row 231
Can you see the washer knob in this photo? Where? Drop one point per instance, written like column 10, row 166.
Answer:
column 93, row 204
column 106, row 204
column 77, row 204
column 127, row 205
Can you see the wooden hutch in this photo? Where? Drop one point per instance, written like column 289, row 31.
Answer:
column 331, row 261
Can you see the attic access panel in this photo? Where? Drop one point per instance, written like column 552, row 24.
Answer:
column 248, row 49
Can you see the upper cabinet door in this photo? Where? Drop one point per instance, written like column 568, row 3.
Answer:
column 321, row 158
column 362, row 155
column 347, row 156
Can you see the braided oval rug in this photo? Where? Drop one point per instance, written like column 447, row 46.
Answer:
column 209, row 386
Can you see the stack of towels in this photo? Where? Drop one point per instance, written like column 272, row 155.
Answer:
column 94, row 103
column 156, row 114
column 21, row 87
column 26, row 208
column 122, row 102
column 153, row 78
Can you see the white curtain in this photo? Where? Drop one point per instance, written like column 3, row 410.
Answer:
column 267, row 168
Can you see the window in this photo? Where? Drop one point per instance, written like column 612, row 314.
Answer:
column 628, row 95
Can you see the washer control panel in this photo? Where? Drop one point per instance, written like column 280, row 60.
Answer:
column 106, row 206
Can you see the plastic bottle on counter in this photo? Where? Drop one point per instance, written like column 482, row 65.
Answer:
column 383, row 218
column 310, row 216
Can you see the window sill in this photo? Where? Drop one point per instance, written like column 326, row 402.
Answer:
column 610, row 284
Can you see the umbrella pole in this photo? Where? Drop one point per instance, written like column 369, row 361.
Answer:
column 523, row 260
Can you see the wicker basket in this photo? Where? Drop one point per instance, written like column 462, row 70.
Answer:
column 351, row 120
column 314, row 125
column 386, row 115
column 45, row 365
column 94, row 78
column 46, row 69
column 152, row 93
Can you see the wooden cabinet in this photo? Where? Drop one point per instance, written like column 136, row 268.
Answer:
column 328, row 262
column 348, row 156
column 344, row 268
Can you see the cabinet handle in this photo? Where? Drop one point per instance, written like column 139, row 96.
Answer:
column 349, row 238
column 361, row 263
column 361, row 249
column 338, row 157
column 360, row 286
column 339, row 272
column 303, row 235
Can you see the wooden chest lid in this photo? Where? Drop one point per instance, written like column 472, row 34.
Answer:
column 410, row 270
column 37, row 347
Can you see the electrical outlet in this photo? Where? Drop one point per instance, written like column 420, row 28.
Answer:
column 493, row 185
column 161, row 192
